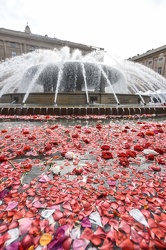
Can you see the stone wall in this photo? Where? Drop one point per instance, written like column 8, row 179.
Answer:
column 71, row 99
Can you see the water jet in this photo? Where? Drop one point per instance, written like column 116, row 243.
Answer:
column 60, row 78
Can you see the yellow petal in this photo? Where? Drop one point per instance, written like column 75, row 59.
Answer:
column 45, row 239
column 31, row 248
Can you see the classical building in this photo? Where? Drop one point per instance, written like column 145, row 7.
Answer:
column 13, row 43
column 154, row 59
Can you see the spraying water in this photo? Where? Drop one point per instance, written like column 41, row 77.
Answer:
column 63, row 71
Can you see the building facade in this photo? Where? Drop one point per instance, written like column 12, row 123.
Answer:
column 14, row 43
column 154, row 59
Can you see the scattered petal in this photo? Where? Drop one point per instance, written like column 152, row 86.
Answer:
column 11, row 205
column 95, row 218
column 75, row 233
column 47, row 213
column 148, row 151
column 44, row 178
column 45, row 239
column 85, row 222
column 80, row 244
column 138, row 216
column 24, row 225
column 14, row 233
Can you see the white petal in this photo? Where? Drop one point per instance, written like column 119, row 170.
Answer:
column 149, row 151
column 75, row 233
column 47, row 213
column 14, row 233
column 138, row 216
column 95, row 218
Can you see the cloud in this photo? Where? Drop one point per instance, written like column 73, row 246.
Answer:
column 125, row 28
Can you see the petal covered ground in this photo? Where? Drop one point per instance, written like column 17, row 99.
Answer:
column 99, row 185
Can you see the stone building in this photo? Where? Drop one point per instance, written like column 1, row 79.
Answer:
column 154, row 59
column 14, row 43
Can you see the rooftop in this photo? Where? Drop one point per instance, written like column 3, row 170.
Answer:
column 149, row 52
column 46, row 37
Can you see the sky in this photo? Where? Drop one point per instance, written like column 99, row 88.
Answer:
column 124, row 28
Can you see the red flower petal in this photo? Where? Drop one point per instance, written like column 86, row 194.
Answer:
column 27, row 242
column 4, row 238
column 87, row 234
column 126, row 245
column 124, row 226
column 107, row 245
column 105, row 147
column 13, row 224
column 158, row 232
column 135, row 236
column 57, row 215
column 96, row 240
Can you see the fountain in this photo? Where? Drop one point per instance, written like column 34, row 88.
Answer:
column 72, row 76
column 61, row 78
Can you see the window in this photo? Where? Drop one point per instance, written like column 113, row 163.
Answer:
column 150, row 62
column 159, row 70
column 160, row 58
column 14, row 53
column 13, row 45
column 31, row 48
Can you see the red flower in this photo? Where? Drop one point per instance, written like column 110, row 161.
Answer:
column 138, row 148
column 124, row 161
column 27, row 148
column 150, row 157
column 161, row 160
column 77, row 171
column 25, row 131
column 126, row 146
column 20, row 152
column 99, row 126
column 155, row 168
column 31, row 137
column 158, row 131
column 159, row 150
column 63, row 153
column 107, row 155
column 78, row 126
column 131, row 153
column 141, row 134
column 87, row 131
column 75, row 135
column 27, row 167
column 122, row 154
column 86, row 140
column 53, row 142
column 3, row 158
column 105, row 147
column 3, row 131
column 48, row 147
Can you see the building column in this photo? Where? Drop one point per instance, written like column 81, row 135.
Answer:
column 20, row 48
column 164, row 66
column 4, row 46
column 25, row 48
column 155, row 64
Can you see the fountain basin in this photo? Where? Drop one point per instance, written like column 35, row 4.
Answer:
column 99, row 111
column 71, row 98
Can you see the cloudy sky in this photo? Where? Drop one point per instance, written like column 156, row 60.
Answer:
column 124, row 28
